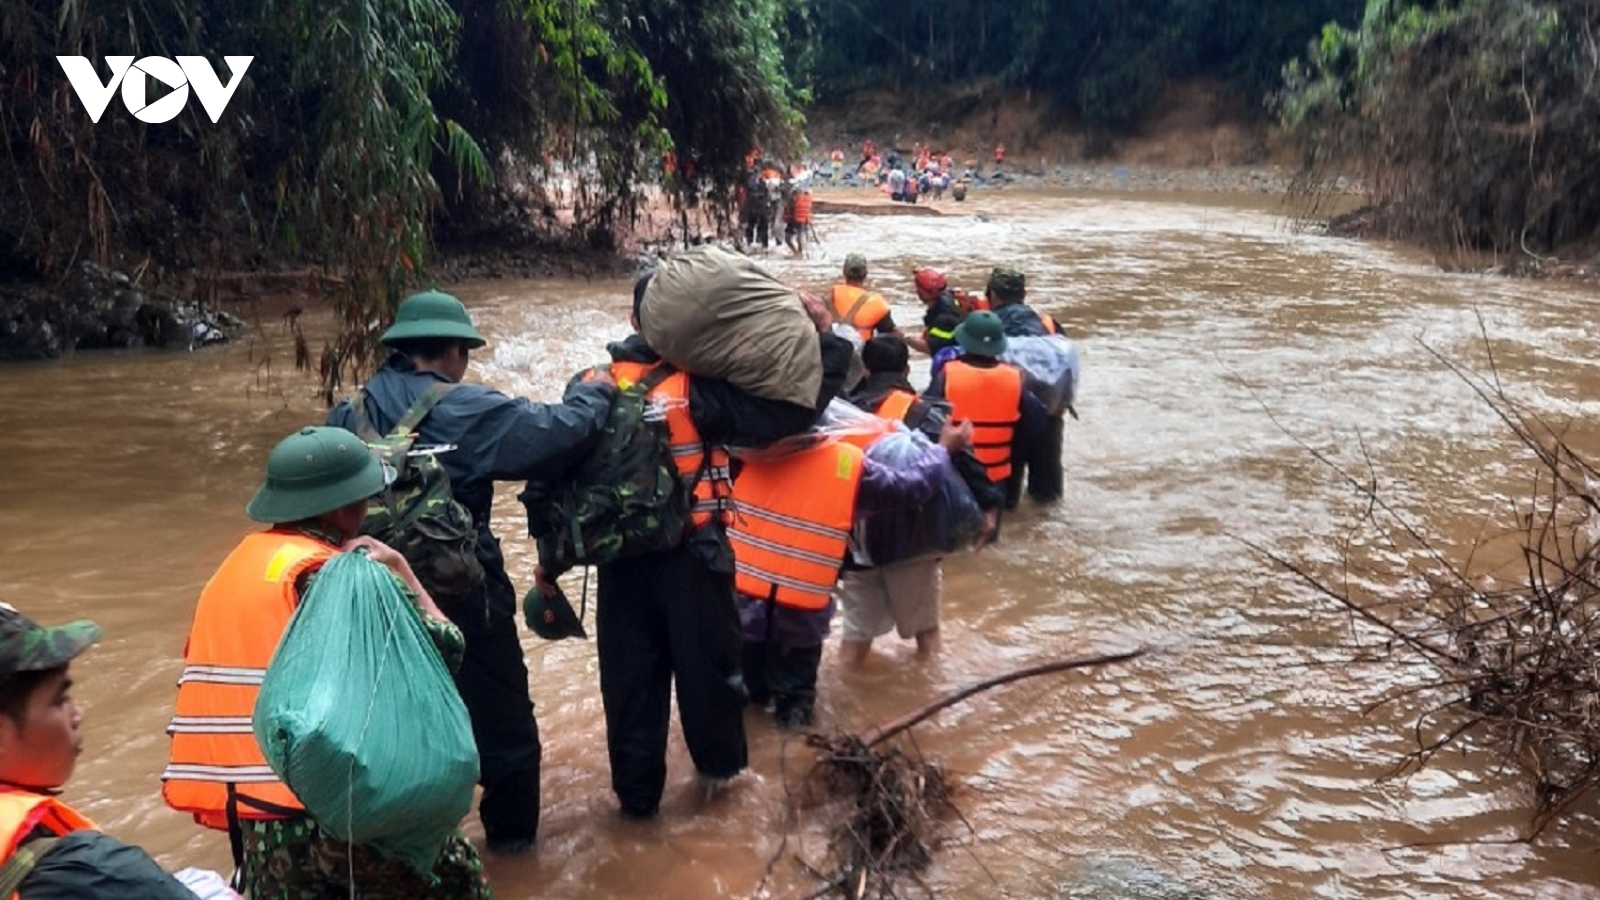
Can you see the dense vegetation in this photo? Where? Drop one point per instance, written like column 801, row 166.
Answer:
column 1473, row 123
column 1103, row 61
column 365, row 125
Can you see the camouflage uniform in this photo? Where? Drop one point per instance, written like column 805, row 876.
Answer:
column 291, row 859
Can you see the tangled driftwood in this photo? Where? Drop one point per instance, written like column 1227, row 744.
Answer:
column 887, row 801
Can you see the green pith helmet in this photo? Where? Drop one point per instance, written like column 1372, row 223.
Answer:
column 432, row 314
column 26, row 646
column 314, row 471
column 1006, row 285
column 553, row 617
column 981, row 334
column 855, row 266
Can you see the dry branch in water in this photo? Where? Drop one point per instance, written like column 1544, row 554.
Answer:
column 1516, row 668
column 890, row 802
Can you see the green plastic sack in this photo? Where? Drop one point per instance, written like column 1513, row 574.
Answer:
column 360, row 719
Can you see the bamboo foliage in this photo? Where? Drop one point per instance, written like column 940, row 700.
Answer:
column 353, row 114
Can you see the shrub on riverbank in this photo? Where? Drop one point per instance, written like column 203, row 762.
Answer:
column 1472, row 123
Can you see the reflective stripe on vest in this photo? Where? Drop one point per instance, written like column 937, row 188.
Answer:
column 23, row 811
column 242, row 612
column 792, row 523
column 989, row 398
column 895, row 406
column 859, row 308
column 710, row 475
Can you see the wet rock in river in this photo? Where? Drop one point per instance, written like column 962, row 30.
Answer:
column 1126, row 879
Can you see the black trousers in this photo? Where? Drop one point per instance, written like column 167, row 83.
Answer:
column 1040, row 465
column 756, row 228
column 787, row 676
column 667, row 619
column 493, row 682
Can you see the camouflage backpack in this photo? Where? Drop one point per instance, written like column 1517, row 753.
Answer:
column 416, row 513
column 624, row 499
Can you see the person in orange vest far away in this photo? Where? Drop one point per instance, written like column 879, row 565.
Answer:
column 313, row 501
column 999, row 156
column 51, row 850
column 902, row 596
column 988, row 393
column 793, row 509
column 1040, row 462
column 796, row 212
column 854, row 305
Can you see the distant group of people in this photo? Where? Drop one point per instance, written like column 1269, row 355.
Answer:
column 735, row 614
column 924, row 173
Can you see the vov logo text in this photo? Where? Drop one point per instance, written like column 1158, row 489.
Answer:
column 180, row 75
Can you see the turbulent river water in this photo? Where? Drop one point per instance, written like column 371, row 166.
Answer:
column 1220, row 346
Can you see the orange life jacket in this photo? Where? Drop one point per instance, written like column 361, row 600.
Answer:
column 895, row 406
column 970, row 302
column 23, row 811
column 990, row 399
column 706, row 468
column 215, row 766
column 802, row 209
column 792, row 522
column 859, row 308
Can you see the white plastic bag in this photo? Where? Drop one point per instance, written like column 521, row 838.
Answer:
column 1051, row 364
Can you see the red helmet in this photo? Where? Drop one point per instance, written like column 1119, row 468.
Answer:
column 930, row 283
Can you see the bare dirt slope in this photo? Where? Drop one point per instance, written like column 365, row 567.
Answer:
column 1198, row 124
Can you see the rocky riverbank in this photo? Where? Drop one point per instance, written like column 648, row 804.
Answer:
column 98, row 309
column 1111, row 177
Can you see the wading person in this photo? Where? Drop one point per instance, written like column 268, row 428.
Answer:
column 941, row 313
column 854, row 305
column 313, row 500
column 494, row 438
column 51, row 852
column 901, row 596
column 988, row 393
column 1039, row 460
column 668, row 618
column 790, row 536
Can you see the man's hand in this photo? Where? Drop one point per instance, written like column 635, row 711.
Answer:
column 379, row 552
column 543, row 581
column 956, row 438
column 817, row 310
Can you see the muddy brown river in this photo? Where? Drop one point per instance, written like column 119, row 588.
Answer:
column 1218, row 343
